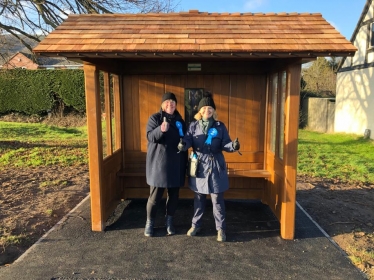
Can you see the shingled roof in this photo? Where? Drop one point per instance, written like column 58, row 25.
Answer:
column 190, row 33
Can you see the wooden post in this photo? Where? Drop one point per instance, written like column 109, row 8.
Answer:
column 95, row 149
column 287, row 219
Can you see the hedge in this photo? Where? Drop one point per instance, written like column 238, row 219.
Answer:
column 38, row 91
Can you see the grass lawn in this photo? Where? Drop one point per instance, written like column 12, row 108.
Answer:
column 32, row 144
column 344, row 157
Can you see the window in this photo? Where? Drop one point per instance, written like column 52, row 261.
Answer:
column 278, row 91
column 192, row 97
column 273, row 100
column 282, row 99
column 109, row 109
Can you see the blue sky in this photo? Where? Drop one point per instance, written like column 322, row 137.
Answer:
column 342, row 14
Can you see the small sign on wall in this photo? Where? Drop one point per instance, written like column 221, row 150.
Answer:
column 194, row 67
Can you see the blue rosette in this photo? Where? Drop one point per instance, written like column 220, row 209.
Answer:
column 180, row 128
column 211, row 134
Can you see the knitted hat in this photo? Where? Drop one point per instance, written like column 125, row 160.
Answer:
column 207, row 100
column 167, row 96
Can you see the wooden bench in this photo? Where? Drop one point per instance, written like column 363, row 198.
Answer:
column 259, row 173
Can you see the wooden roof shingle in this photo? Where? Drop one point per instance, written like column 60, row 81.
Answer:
column 242, row 34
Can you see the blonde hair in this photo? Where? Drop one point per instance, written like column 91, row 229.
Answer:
column 198, row 116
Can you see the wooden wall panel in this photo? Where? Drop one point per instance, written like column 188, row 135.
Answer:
column 257, row 84
column 176, row 85
column 260, row 111
column 209, row 83
column 247, row 111
column 143, row 111
column 240, row 105
column 221, row 94
column 246, row 183
column 236, row 122
column 186, row 193
column 136, row 112
column 112, row 193
column 128, row 111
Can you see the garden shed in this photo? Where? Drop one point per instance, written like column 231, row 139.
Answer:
column 250, row 62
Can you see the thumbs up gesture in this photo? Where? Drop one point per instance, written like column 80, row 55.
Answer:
column 236, row 144
column 165, row 125
column 181, row 145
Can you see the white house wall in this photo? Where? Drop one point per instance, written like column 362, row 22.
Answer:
column 354, row 107
column 361, row 45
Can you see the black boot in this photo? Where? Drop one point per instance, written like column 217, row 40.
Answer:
column 169, row 225
column 148, row 231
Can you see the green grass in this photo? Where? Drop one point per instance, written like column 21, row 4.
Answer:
column 29, row 144
column 345, row 157
column 6, row 240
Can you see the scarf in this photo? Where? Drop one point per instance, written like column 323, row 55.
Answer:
column 206, row 124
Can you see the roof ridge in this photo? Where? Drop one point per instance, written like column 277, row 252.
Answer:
column 199, row 13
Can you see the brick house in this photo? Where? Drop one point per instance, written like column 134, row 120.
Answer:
column 13, row 54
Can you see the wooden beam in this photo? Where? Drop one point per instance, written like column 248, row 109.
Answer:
column 95, row 149
column 288, row 195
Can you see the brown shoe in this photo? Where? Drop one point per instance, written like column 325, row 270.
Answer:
column 221, row 236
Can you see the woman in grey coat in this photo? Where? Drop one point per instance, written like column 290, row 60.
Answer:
column 208, row 139
column 165, row 165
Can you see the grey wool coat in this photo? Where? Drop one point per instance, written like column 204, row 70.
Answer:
column 165, row 167
column 211, row 175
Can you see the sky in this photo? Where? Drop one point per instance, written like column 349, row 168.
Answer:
column 342, row 14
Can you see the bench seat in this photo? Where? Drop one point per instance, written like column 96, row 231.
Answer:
column 254, row 173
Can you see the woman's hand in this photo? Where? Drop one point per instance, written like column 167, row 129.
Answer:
column 165, row 125
column 181, row 145
column 236, row 144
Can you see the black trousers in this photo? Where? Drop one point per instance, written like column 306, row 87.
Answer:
column 155, row 197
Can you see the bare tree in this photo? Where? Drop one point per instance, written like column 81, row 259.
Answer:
column 34, row 19
column 334, row 63
column 320, row 77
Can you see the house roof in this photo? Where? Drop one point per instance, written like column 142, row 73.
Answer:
column 190, row 33
column 11, row 46
column 357, row 28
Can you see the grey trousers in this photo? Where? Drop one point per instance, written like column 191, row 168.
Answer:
column 219, row 211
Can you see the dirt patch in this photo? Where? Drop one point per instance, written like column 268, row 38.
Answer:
column 345, row 212
column 33, row 200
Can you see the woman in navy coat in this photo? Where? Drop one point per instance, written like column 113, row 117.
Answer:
column 165, row 165
column 208, row 139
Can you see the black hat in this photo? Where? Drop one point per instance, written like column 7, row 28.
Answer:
column 167, row 96
column 207, row 100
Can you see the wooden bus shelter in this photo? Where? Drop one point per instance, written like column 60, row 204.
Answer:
column 250, row 62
